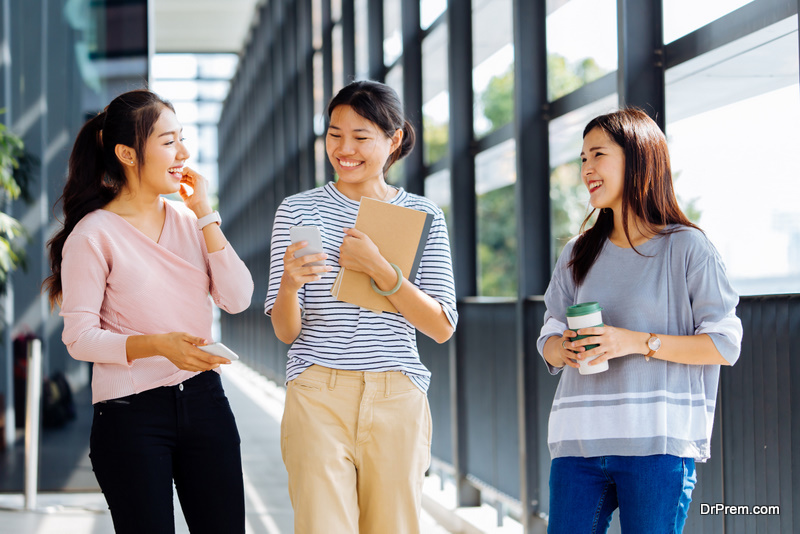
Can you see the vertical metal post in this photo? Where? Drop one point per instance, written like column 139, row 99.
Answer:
column 348, row 22
column 533, row 232
column 377, row 70
column 34, row 395
column 462, row 183
column 414, row 166
column 640, row 73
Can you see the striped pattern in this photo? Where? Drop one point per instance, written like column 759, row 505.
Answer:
column 118, row 282
column 639, row 408
column 341, row 335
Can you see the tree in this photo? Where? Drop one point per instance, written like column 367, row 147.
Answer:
column 15, row 172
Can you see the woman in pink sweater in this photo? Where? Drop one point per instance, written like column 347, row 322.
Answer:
column 133, row 273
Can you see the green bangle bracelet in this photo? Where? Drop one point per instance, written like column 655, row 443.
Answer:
column 392, row 291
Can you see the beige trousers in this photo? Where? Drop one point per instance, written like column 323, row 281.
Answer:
column 356, row 446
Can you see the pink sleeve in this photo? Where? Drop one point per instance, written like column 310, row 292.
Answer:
column 84, row 271
column 231, row 282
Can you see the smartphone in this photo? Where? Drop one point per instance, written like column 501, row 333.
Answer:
column 307, row 233
column 218, row 349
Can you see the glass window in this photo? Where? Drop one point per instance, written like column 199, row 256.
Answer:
column 336, row 10
column 437, row 188
column 492, row 64
column 392, row 31
column 684, row 16
column 217, row 65
column 174, row 66
column 316, row 24
column 394, row 79
column 429, row 11
column 338, row 58
column 732, row 117
column 320, row 160
column 572, row 59
column 362, row 40
column 569, row 199
column 319, row 105
column 495, row 176
column 435, row 94
column 176, row 91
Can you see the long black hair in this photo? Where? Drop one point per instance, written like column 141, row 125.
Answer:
column 647, row 190
column 95, row 174
column 379, row 104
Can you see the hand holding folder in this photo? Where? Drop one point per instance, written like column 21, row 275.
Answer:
column 400, row 235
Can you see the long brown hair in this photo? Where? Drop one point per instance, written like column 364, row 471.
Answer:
column 95, row 175
column 379, row 104
column 647, row 190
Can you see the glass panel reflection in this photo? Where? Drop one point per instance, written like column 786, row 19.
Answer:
column 573, row 59
column 437, row 188
column 493, row 64
column 435, row 94
column 429, row 11
column 684, row 16
column 495, row 176
column 392, row 31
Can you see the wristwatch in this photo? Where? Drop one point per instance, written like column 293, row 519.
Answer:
column 653, row 344
column 212, row 217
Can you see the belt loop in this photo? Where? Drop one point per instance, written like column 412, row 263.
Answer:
column 332, row 383
column 388, row 389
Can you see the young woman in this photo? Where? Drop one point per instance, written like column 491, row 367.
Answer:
column 356, row 429
column 133, row 273
column 629, row 437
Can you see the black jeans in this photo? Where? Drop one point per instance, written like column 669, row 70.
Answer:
column 186, row 433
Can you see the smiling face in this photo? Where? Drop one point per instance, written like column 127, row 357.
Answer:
column 603, row 170
column 164, row 156
column 356, row 147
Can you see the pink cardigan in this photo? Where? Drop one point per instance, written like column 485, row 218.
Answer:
column 117, row 282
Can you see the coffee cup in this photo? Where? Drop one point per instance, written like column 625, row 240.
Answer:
column 586, row 315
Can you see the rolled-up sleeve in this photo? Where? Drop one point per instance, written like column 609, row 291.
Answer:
column 231, row 281
column 84, row 271
column 714, row 304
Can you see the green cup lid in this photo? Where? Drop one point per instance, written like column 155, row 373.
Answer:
column 584, row 308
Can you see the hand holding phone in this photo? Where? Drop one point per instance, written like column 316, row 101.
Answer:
column 312, row 236
column 218, row 349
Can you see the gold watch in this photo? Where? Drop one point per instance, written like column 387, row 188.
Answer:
column 653, row 343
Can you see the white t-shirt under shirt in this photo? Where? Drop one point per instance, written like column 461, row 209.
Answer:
column 344, row 336
column 675, row 285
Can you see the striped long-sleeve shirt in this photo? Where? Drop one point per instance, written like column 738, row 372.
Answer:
column 676, row 286
column 340, row 335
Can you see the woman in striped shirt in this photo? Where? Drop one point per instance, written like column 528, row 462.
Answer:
column 356, row 430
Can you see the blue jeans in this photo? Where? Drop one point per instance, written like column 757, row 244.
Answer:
column 652, row 493
column 141, row 443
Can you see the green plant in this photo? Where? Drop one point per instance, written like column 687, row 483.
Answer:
column 15, row 172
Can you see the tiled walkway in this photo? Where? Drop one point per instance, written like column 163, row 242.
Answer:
column 258, row 406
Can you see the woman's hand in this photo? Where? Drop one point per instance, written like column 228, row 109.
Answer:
column 196, row 199
column 181, row 349
column 563, row 354
column 358, row 253
column 611, row 343
column 297, row 272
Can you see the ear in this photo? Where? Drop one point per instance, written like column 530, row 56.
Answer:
column 126, row 155
column 397, row 140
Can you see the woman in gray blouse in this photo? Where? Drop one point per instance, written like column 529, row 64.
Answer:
column 629, row 437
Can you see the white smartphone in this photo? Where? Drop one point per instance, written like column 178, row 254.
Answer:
column 218, row 349
column 307, row 233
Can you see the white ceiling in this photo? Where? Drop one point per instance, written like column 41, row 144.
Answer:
column 200, row 26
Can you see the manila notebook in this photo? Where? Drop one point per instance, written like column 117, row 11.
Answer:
column 400, row 235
